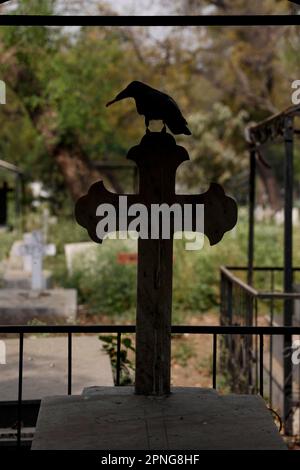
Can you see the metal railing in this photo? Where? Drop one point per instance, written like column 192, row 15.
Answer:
column 244, row 304
column 69, row 330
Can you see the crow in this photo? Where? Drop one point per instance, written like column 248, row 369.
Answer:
column 154, row 105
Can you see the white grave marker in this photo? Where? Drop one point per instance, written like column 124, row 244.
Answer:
column 33, row 250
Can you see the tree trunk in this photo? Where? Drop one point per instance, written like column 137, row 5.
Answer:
column 271, row 186
column 78, row 172
column 77, row 169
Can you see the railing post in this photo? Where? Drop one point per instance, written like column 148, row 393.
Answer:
column 69, row 363
column 249, row 341
column 118, row 370
column 214, row 360
column 261, row 365
column 20, row 389
column 288, row 267
column 271, row 343
column 251, row 219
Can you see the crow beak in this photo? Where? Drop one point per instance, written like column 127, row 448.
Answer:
column 123, row 94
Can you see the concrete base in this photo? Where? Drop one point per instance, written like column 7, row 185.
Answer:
column 113, row 418
column 19, row 279
column 21, row 306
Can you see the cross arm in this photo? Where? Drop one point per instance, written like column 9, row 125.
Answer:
column 220, row 211
column 88, row 217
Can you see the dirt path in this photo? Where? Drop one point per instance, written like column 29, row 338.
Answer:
column 192, row 355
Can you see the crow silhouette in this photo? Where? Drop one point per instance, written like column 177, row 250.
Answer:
column 154, row 105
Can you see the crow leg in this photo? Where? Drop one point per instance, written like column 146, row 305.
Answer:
column 147, row 122
column 164, row 129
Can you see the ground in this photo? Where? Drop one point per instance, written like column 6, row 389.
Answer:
column 191, row 353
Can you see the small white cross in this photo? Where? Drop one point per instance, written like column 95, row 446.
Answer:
column 33, row 250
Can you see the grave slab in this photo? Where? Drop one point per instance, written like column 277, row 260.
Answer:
column 45, row 366
column 19, row 306
column 190, row 418
column 19, row 279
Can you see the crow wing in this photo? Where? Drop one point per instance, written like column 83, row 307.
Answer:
column 158, row 105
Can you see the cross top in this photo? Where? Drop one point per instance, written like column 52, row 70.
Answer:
column 33, row 250
column 157, row 158
column 102, row 212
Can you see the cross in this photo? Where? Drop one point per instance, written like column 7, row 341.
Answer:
column 157, row 158
column 33, row 250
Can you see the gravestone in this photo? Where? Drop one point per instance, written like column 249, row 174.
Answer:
column 27, row 295
column 33, row 250
column 152, row 417
column 23, row 269
column 75, row 251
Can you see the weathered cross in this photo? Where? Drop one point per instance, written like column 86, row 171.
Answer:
column 157, row 158
column 33, row 250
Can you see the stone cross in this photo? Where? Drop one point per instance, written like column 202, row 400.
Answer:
column 33, row 250
column 157, row 158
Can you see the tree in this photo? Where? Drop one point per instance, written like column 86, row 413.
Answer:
column 61, row 80
column 53, row 85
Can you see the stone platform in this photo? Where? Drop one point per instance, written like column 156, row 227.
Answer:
column 18, row 306
column 113, row 418
column 19, row 279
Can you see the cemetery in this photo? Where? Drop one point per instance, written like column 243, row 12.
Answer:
column 149, row 261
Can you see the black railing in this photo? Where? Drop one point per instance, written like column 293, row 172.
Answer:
column 243, row 304
column 215, row 331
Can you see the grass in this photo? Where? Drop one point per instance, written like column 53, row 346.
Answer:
column 182, row 351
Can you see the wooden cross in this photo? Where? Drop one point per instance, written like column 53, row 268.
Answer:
column 157, row 158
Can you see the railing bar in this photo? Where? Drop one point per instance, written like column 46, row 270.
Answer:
column 239, row 282
column 278, row 295
column 261, row 365
column 176, row 329
column 256, row 293
column 69, row 363
column 20, row 389
column 257, row 268
column 215, row 361
column 118, row 359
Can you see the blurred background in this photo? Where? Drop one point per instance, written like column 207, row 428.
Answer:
column 61, row 138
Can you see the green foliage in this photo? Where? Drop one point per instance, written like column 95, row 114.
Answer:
column 109, row 288
column 183, row 351
column 223, row 78
column 103, row 284
column 214, row 150
column 110, row 345
column 7, row 239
